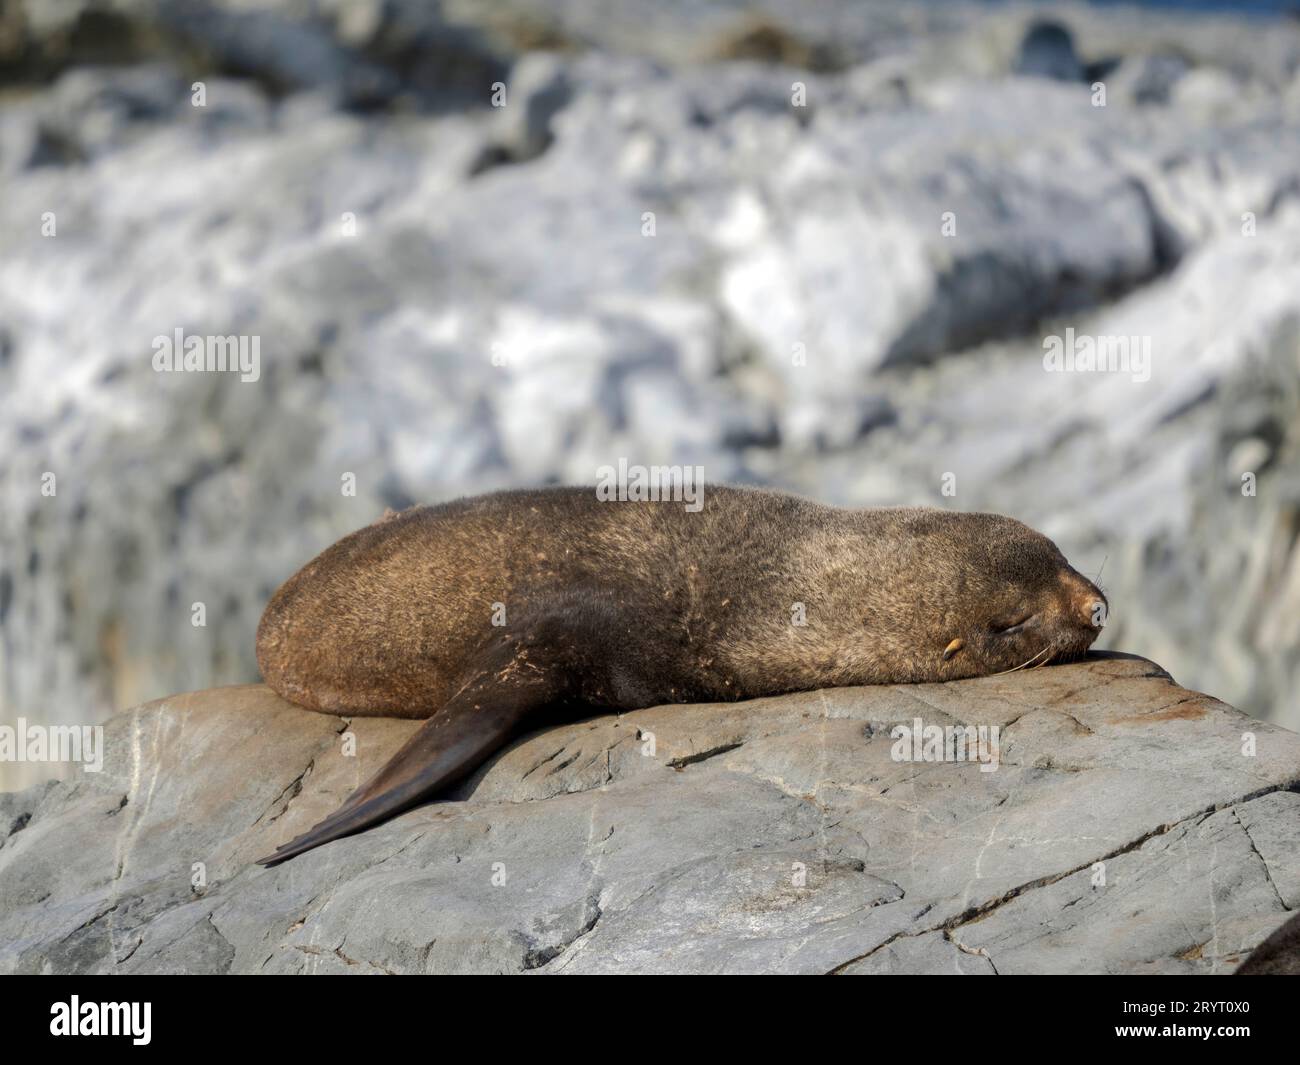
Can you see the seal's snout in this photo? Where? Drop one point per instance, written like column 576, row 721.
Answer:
column 1085, row 602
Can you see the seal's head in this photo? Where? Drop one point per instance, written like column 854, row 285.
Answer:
column 1023, row 605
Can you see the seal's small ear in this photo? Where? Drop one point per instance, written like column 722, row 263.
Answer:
column 953, row 648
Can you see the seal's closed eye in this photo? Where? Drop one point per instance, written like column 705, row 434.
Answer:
column 1011, row 625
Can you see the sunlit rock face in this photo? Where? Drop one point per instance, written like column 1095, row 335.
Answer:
column 1094, row 817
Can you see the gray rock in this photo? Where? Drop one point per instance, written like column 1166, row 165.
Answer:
column 1048, row 52
column 1149, row 79
column 1278, row 955
column 1123, row 829
column 538, row 90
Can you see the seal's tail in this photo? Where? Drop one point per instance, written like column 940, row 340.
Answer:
column 505, row 685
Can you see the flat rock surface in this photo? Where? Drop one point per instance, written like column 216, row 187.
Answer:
column 453, row 297
column 1130, row 825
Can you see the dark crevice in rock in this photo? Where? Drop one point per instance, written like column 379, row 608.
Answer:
column 91, row 921
column 213, row 925
column 702, row 756
column 563, row 765
column 549, row 758
column 290, row 792
column 598, row 756
column 130, row 953
column 977, row 952
column 19, row 823
column 405, row 846
column 1268, row 874
column 537, row 957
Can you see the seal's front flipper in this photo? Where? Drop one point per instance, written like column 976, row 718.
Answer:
column 509, row 681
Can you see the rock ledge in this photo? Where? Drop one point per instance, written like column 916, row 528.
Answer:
column 1124, row 830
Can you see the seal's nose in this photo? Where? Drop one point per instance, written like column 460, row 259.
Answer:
column 1086, row 603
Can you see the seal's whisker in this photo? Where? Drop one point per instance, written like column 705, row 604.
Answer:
column 1023, row 664
column 1097, row 579
column 1031, row 663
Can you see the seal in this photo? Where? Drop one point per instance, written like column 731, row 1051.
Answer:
column 478, row 613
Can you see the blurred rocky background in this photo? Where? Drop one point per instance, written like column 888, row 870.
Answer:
column 454, row 297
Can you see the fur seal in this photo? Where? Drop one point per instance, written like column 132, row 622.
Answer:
column 477, row 613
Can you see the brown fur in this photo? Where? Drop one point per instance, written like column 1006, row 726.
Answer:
column 624, row 605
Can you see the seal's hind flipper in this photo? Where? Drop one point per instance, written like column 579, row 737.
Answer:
column 510, row 680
